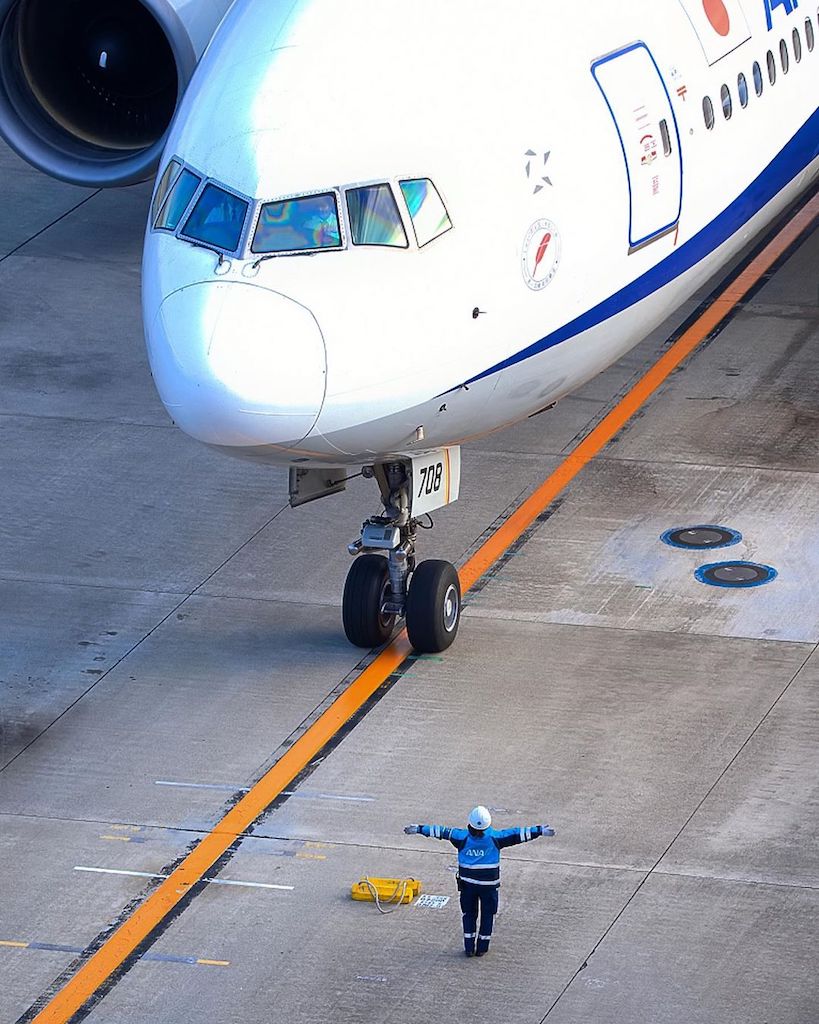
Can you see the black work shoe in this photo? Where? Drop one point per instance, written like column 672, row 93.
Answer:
column 469, row 952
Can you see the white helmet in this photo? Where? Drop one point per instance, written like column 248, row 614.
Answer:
column 480, row 818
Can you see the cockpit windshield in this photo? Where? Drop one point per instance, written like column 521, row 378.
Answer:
column 426, row 208
column 217, row 219
column 374, row 217
column 177, row 202
column 199, row 210
column 298, row 225
column 162, row 188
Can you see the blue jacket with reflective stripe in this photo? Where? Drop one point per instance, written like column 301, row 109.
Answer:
column 479, row 855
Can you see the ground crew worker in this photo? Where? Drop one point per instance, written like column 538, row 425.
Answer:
column 479, row 848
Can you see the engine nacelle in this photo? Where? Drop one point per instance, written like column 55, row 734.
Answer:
column 88, row 88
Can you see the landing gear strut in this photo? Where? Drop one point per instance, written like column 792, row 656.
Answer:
column 385, row 583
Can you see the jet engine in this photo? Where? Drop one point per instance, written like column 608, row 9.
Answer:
column 88, row 88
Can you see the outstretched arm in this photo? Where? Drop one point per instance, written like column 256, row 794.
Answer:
column 522, row 834
column 430, row 831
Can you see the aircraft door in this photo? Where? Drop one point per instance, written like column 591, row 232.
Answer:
column 639, row 103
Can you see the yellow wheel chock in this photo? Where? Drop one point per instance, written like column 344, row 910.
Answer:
column 386, row 892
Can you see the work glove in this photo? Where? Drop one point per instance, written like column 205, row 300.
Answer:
column 412, row 830
column 546, row 830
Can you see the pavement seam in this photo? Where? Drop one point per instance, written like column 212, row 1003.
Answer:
column 513, row 859
column 346, row 845
column 685, row 825
column 631, row 459
column 48, row 227
column 506, row 615
column 183, row 594
column 714, row 466
column 761, row 882
column 502, row 614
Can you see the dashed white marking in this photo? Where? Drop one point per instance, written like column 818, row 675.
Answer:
column 213, row 881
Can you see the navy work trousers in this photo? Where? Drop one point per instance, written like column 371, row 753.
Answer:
column 474, row 898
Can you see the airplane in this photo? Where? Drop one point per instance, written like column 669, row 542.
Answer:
column 381, row 230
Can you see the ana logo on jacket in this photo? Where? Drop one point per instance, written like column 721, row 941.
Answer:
column 476, row 853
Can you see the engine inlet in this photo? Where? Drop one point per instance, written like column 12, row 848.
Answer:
column 88, row 88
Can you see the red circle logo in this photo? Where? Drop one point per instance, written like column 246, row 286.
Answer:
column 717, row 14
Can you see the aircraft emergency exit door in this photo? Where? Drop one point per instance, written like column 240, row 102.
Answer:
column 638, row 101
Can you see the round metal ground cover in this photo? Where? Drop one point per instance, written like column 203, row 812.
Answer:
column 701, row 538
column 735, row 574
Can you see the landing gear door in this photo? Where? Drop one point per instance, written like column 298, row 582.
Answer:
column 638, row 101
column 436, row 480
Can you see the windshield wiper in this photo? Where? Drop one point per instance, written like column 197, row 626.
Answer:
column 282, row 255
column 208, row 248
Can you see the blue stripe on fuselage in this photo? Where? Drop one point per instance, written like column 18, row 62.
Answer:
column 797, row 154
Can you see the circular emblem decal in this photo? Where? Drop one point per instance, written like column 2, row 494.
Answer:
column 541, row 254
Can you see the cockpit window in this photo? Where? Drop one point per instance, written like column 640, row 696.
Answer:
column 428, row 213
column 298, row 225
column 177, row 202
column 217, row 219
column 162, row 188
column 374, row 217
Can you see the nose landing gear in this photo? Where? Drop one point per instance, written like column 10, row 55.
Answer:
column 384, row 583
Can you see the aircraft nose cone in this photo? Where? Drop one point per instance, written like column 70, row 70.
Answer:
column 238, row 364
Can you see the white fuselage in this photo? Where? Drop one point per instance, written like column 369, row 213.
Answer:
column 587, row 199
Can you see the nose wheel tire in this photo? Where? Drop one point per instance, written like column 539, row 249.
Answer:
column 366, row 589
column 433, row 606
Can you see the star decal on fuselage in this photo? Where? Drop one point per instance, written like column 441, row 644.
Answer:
column 532, row 169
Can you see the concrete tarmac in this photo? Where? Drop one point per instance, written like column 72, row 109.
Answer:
column 168, row 626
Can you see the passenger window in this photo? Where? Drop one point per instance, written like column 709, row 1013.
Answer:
column 162, row 188
column 177, row 202
column 797, row 45
column 298, row 225
column 426, row 209
column 783, row 56
column 758, row 85
column 742, row 89
column 809, row 34
column 217, row 219
column 708, row 112
column 725, row 96
column 374, row 217
column 771, row 68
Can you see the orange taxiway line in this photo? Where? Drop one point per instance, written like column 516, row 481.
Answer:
column 161, row 902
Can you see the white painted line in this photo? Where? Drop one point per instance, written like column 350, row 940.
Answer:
column 203, row 785
column 115, row 871
column 214, row 881
column 298, row 793
column 253, row 885
column 302, row 795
